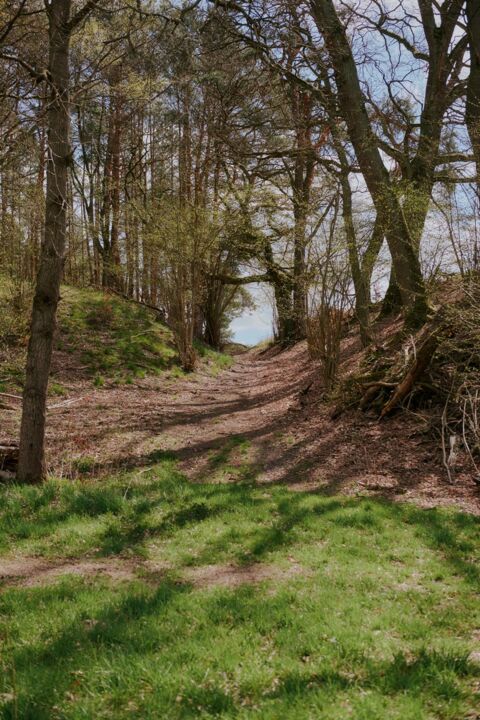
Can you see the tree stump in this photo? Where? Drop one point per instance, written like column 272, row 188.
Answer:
column 8, row 458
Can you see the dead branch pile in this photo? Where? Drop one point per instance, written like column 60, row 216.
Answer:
column 407, row 368
column 436, row 371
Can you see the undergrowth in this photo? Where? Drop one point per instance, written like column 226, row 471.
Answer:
column 448, row 392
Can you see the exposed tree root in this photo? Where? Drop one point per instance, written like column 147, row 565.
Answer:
column 424, row 349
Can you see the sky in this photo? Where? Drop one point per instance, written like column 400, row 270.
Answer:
column 254, row 325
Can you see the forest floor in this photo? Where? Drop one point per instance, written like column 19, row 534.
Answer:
column 215, row 546
column 263, row 419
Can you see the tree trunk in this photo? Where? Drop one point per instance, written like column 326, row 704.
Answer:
column 286, row 320
column 31, row 463
column 387, row 205
column 299, row 281
column 301, row 181
column 110, row 209
column 472, row 116
column 361, row 283
column 392, row 301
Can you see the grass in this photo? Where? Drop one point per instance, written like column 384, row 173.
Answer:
column 110, row 339
column 232, row 462
column 113, row 339
column 215, row 361
column 378, row 624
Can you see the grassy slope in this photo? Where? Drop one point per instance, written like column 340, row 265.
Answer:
column 108, row 339
column 378, row 624
column 111, row 337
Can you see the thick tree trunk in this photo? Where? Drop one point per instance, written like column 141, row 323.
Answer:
column 392, row 302
column 387, row 205
column 31, row 463
column 361, row 268
column 213, row 313
column 286, row 320
column 302, row 179
column 472, row 115
column 299, row 283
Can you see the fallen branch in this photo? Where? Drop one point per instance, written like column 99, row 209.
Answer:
column 424, row 346
column 428, row 343
column 66, row 402
column 369, row 396
column 49, row 407
column 11, row 397
column 160, row 311
column 379, row 383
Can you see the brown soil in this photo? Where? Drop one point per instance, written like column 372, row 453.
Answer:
column 31, row 572
column 37, row 572
column 291, row 436
column 234, row 575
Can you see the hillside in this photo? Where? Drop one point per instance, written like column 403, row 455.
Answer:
column 102, row 341
column 100, row 338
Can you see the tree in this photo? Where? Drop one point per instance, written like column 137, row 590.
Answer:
column 352, row 105
column 61, row 24
column 472, row 115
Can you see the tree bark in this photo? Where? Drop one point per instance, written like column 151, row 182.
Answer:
column 419, row 173
column 387, row 205
column 31, row 461
column 472, row 116
column 301, row 181
column 361, row 272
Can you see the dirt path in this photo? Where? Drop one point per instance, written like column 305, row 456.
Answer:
column 252, row 422
column 27, row 571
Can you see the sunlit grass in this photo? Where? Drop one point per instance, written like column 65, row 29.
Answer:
column 378, row 621
column 112, row 337
column 111, row 341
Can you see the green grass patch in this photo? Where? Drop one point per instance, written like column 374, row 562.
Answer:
column 113, row 338
column 214, row 360
column 232, row 462
column 378, row 623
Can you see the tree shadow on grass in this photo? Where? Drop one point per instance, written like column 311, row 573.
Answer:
column 162, row 502
column 46, row 668
column 131, row 514
column 47, row 672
